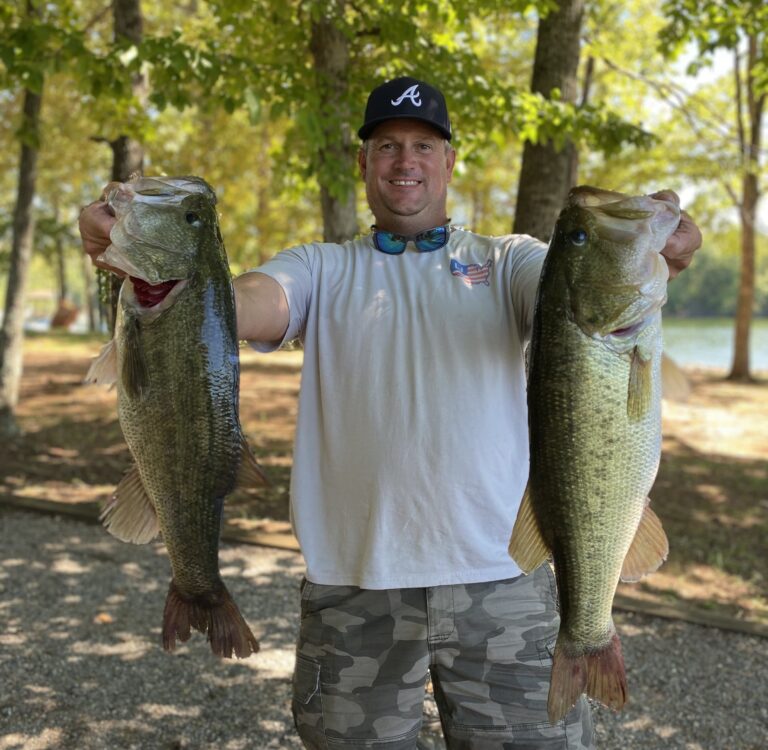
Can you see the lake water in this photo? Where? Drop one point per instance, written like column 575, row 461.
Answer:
column 708, row 342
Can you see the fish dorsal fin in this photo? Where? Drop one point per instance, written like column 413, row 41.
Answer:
column 103, row 369
column 648, row 550
column 134, row 375
column 129, row 514
column 640, row 387
column 249, row 474
column 527, row 546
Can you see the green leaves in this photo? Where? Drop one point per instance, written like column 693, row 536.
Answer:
column 711, row 24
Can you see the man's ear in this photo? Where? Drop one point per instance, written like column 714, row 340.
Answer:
column 361, row 161
column 450, row 161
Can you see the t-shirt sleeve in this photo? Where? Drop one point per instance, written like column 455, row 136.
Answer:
column 292, row 269
column 527, row 255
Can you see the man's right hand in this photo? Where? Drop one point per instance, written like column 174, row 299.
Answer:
column 96, row 222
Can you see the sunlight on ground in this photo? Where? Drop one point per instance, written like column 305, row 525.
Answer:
column 721, row 418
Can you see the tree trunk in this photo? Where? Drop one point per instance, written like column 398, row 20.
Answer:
column 545, row 173
column 90, row 292
column 127, row 153
column 336, row 158
column 740, row 369
column 750, row 149
column 12, row 331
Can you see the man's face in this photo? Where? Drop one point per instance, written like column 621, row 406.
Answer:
column 407, row 169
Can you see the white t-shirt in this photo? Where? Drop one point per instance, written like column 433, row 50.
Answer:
column 411, row 451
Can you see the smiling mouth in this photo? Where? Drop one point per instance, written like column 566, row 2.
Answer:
column 405, row 183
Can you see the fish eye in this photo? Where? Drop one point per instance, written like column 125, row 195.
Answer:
column 578, row 236
column 192, row 218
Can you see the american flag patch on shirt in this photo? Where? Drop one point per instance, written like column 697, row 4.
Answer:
column 472, row 273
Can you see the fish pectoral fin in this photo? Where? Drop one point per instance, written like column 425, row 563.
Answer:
column 640, row 388
column 249, row 474
column 103, row 369
column 648, row 550
column 135, row 375
column 130, row 514
column 527, row 546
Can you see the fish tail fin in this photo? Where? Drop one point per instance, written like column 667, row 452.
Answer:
column 598, row 673
column 216, row 615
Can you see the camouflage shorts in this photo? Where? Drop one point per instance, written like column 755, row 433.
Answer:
column 363, row 657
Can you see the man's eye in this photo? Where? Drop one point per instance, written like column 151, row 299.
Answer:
column 425, row 146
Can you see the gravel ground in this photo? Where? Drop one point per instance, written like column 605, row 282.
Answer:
column 81, row 667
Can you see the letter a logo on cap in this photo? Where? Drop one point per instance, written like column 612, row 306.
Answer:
column 411, row 93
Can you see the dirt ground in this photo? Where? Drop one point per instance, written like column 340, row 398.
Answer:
column 711, row 492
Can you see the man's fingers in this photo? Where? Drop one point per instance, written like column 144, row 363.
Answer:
column 667, row 195
column 109, row 188
column 682, row 245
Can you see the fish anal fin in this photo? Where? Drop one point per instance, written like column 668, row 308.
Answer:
column 648, row 550
column 129, row 514
column 527, row 546
column 214, row 614
column 640, row 387
column 103, row 369
column 249, row 473
column 599, row 673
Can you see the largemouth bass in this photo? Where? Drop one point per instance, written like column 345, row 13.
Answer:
column 174, row 358
column 594, row 403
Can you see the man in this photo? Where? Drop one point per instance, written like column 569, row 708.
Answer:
column 411, row 455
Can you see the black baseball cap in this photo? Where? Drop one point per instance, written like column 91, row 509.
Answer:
column 406, row 98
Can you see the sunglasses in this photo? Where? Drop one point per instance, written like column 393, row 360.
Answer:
column 427, row 241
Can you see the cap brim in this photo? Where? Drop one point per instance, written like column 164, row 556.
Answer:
column 365, row 132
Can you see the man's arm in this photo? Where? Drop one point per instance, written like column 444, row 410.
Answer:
column 262, row 308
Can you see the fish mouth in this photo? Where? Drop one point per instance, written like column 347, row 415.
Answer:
column 628, row 330
column 150, row 295
column 148, row 299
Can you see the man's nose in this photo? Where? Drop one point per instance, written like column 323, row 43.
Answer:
column 406, row 159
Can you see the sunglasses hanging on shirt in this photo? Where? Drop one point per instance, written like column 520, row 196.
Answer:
column 425, row 242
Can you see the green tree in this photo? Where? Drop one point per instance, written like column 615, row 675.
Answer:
column 12, row 331
column 741, row 28
column 545, row 174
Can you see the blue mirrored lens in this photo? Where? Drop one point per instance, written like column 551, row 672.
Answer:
column 391, row 244
column 434, row 239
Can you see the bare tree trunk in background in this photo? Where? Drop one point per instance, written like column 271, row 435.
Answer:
column 61, row 265
column 750, row 150
column 586, row 87
column 545, row 174
column 330, row 51
column 740, row 368
column 12, row 331
column 90, row 292
column 127, row 153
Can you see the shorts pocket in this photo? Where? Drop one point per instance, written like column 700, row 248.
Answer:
column 307, row 704
column 306, row 680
